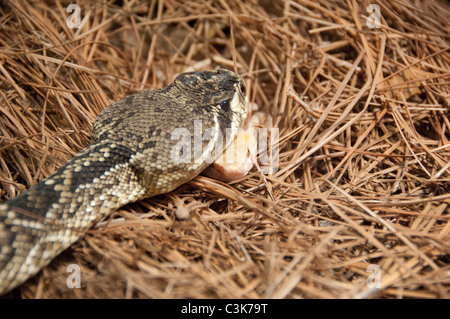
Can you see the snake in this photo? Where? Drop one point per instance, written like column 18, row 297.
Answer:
column 145, row 144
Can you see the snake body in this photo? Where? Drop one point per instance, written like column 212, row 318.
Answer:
column 135, row 153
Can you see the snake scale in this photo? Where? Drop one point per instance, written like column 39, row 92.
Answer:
column 131, row 157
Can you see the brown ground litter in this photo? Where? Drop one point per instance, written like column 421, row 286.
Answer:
column 364, row 162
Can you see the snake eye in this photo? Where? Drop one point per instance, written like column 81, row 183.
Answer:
column 225, row 105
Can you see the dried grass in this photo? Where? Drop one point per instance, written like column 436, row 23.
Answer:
column 364, row 152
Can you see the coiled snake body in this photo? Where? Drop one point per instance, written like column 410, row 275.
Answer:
column 134, row 154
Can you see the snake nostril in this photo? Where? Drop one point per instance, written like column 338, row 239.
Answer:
column 243, row 89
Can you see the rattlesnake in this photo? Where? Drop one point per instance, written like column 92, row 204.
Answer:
column 135, row 153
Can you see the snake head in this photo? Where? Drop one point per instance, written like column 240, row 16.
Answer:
column 221, row 90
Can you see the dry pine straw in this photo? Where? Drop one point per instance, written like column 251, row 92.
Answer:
column 364, row 165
